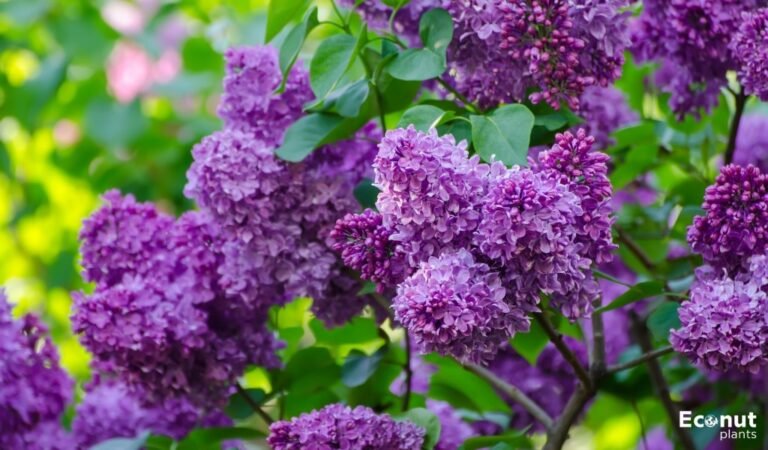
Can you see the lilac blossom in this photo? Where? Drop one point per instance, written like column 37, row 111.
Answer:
column 453, row 430
column 527, row 228
column 172, row 331
column 585, row 172
column 365, row 245
column 723, row 325
column 750, row 49
column 456, row 306
column 430, row 191
column 36, row 390
column 736, row 215
column 249, row 103
column 340, row 427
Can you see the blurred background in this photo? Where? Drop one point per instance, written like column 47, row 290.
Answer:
column 101, row 94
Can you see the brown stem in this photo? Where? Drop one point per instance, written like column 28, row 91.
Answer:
column 627, row 240
column 741, row 102
column 563, row 348
column 597, row 365
column 641, row 359
column 558, row 434
column 512, row 392
column 254, row 406
column 659, row 383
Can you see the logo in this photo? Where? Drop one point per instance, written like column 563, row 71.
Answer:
column 732, row 426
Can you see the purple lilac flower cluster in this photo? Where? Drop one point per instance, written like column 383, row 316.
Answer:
column 724, row 324
column 472, row 282
column 559, row 47
column 341, row 427
column 697, row 42
column 734, row 226
column 112, row 410
column 750, row 48
column 35, row 389
column 501, row 49
column 365, row 245
column 166, row 327
column 276, row 217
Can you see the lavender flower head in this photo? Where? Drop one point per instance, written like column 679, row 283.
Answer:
column 734, row 226
column 456, row 306
column 527, row 228
column 121, row 238
column 752, row 142
column 586, row 173
column 36, row 390
column 341, row 427
column 478, row 66
column 605, row 110
column 249, row 103
column 750, row 48
column 692, row 39
column 110, row 410
column 429, row 191
column 173, row 331
column 723, row 325
column 365, row 245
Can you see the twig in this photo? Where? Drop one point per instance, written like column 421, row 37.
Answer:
column 558, row 434
column 741, row 103
column 514, row 393
column 408, row 372
column 470, row 106
column 659, row 383
column 597, row 364
column 255, row 406
column 627, row 240
column 641, row 359
column 563, row 348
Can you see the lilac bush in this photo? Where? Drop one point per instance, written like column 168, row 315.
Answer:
column 448, row 228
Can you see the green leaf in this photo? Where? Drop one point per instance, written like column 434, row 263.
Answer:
column 357, row 331
column 663, row 319
column 423, row 117
column 366, row 194
column 358, row 367
column 136, row 443
column 238, row 408
column 460, row 129
column 640, row 291
column 309, row 370
column 332, row 59
column 281, row 12
column 428, row 421
column 436, row 30
column 454, row 378
column 417, row 64
column 314, row 130
column 516, row 440
column 211, row 438
column 292, row 44
column 504, row 135
column 345, row 101
column 114, row 125
column 199, row 56
column 529, row 345
column 638, row 160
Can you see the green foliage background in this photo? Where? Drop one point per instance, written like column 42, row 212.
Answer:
column 53, row 55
